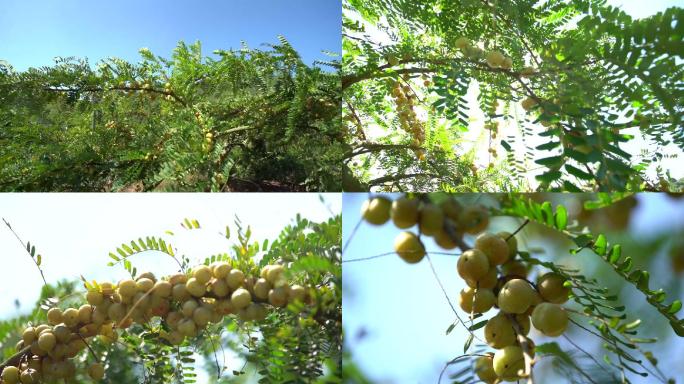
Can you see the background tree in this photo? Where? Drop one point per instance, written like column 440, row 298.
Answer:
column 572, row 96
column 291, row 340
column 248, row 120
column 622, row 272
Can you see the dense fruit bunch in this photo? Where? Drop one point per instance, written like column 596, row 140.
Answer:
column 186, row 304
column 494, row 276
column 409, row 122
column 493, row 58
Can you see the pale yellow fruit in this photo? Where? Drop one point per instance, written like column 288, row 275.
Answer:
column 551, row 288
column 189, row 307
column 528, row 103
column 494, row 247
column 127, row 287
column 451, row 208
column 550, row 319
column 527, row 72
column 473, row 219
column 147, row 275
column 241, row 298
column 55, row 316
column 219, row 287
column 10, row 375
column 256, row 312
column 507, row 63
column 85, row 313
column 516, row 296
column 275, row 274
column 488, row 281
column 47, row 341
column 476, row 300
column 511, row 241
column 494, row 59
column 235, row 278
column 62, row 333
column 261, row 289
column 162, row 289
column 116, row 311
column 508, row 362
column 445, row 240
column 179, row 292
column 94, row 297
column 70, row 317
column 202, row 273
column 29, row 335
column 409, row 247
column 431, row 220
column 144, row 284
column 500, row 332
column 195, row 288
column 29, row 376
column 297, row 293
column 221, row 270
column 187, row 328
column 277, row 297
column 514, row 268
column 201, row 316
column 376, row 211
column 462, row 43
column 96, row 371
column 484, row 369
column 404, row 212
column 472, row 264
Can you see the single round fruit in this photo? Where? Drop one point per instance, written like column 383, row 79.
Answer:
column 500, row 332
column 476, row 300
column 514, row 268
column 162, row 289
column 462, row 43
column 445, row 240
column 202, row 274
column 409, row 247
column 494, row 247
column 219, row 287
column 29, row 376
column 221, row 270
column 404, row 212
column 47, row 341
column 528, row 103
column 235, row 278
column 551, row 288
column 116, row 311
column 94, row 297
column 96, row 371
column 511, row 241
column 187, row 328
column 507, row 63
column 127, row 288
column 29, row 335
column 261, row 288
column 55, row 316
column 376, row 211
column 484, row 368
column 550, row 319
column 472, row 264
column 10, row 375
column 508, row 362
column 70, row 317
column 488, row 281
column 241, row 298
column 516, row 296
column 451, row 208
column 201, row 316
column 494, row 59
column 274, row 275
column 277, row 297
column 473, row 219
column 195, row 288
column 144, row 284
column 431, row 220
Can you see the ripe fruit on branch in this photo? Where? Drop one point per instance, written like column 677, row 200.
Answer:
column 508, row 362
column 404, row 212
column 462, row 43
column 511, row 241
column 484, row 369
column 514, row 268
column 495, row 59
column 499, row 331
column 528, row 103
column 473, row 219
column 10, row 375
column 476, row 300
column 550, row 319
column 516, row 296
column 431, row 220
column 528, row 72
column 488, row 281
column 551, row 288
column 96, row 371
column 472, row 264
column 376, row 210
column 494, row 247
column 409, row 247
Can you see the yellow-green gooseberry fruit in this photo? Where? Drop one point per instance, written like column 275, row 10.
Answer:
column 195, row 288
column 528, row 103
column 55, row 316
column 514, row 268
column 473, row 219
column 550, row 319
column 484, row 369
column 507, row 63
column 47, row 341
column 462, row 43
column 409, row 247
column 511, row 241
column 494, row 247
column 202, row 274
column 472, row 264
column 96, row 371
column 94, row 297
column 241, row 298
column 445, row 239
column 516, row 296
column 221, row 269
column 476, row 300
column 494, row 59
column 10, row 375
column 451, row 208
column 508, row 362
column 500, row 332
column 404, row 212
column 551, row 288
column 127, row 288
column 376, row 210
column 29, row 376
column 235, row 278
column 488, row 281
column 431, row 220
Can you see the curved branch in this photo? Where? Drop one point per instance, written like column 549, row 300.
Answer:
column 385, row 179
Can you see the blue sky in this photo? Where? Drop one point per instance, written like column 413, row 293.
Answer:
column 33, row 32
column 405, row 315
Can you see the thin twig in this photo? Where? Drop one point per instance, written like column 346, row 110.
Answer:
column 369, row 258
column 26, row 249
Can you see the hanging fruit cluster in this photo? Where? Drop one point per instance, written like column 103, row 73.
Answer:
column 494, row 276
column 405, row 100
column 493, row 58
column 186, row 304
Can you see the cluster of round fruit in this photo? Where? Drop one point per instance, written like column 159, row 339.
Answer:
column 446, row 222
column 409, row 122
column 493, row 275
column 494, row 59
column 185, row 303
